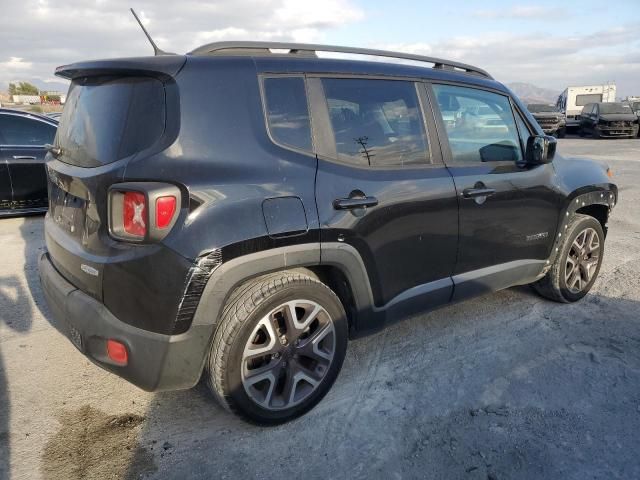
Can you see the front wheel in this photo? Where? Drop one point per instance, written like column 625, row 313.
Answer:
column 278, row 348
column 577, row 263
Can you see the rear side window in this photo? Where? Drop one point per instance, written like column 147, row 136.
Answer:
column 582, row 100
column 479, row 124
column 376, row 122
column 18, row 130
column 106, row 119
column 287, row 112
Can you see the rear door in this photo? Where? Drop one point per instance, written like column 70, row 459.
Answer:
column 382, row 187
column 23, row 150
column 508, row 212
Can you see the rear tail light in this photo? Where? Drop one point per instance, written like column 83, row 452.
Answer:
column 134, row 214
column 165, row 210
column 142, row 211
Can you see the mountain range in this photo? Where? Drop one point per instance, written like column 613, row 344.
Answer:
column 529, row 93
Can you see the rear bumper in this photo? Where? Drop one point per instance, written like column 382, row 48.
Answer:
column 156, row 361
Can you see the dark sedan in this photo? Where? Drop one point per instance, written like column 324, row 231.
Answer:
column 23, row 179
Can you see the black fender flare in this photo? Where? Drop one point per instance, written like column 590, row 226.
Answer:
column 606, row 195
column 227, row 276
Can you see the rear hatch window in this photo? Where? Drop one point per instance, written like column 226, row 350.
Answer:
column 109, row 118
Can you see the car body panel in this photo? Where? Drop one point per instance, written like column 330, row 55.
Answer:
column 23, row 180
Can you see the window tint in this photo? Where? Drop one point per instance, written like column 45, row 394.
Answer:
column 376, row 122
column 287, row 111
column 479, row 124
column 107, row 118
column 17, row 130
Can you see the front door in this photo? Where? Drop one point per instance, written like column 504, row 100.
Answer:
column 382, row 188
column 23, row 151
column 508, row 212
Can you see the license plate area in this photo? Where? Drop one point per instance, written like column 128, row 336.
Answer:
column 67, row 211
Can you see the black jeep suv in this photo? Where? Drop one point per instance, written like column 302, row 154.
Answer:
column 608, row 120
column 241, row 211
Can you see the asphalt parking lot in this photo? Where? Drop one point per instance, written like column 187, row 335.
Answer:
column 504, row 386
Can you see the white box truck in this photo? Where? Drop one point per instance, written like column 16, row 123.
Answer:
column 571, row 101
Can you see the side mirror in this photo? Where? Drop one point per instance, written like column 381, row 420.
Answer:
column 540, row 149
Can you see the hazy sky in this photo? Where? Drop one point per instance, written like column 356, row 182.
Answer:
column 548, row 43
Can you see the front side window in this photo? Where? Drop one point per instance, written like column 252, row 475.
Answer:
column 287, row 111
column 376, row 122
column 17, row 130
column 479, row 124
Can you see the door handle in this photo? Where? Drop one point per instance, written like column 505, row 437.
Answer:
column 354, row 202
column 478, row 192
column 23, row 157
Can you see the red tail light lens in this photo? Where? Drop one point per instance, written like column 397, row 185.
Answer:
column 165, row 209
column 134, row 214
column 117, row 352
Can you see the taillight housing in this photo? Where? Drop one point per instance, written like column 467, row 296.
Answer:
column 143, row 212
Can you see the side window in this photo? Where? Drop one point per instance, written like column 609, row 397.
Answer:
column 287, row 111
column 479, row 124
column 376, row 122
column 17, row 130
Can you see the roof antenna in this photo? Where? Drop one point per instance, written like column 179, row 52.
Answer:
column 156, row 51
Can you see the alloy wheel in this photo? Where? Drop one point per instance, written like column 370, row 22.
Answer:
column 582, row 260
column 288, row 354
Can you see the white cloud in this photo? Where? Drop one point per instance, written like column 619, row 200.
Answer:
column 46, row 35
column 552, row 61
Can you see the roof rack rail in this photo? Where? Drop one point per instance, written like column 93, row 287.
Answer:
column 261, row 48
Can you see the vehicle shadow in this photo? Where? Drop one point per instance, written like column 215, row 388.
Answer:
column 504, row 385
column 16, row 317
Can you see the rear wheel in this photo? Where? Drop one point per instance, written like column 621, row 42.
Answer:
column 278, row 348
column 577, row 264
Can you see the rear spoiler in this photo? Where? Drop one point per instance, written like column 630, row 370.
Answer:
column 160, row 66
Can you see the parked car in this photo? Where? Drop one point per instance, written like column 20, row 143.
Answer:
column 240, row 213
column 550, row 118
column 23, row 180
column 608, row 120
column 635, row 106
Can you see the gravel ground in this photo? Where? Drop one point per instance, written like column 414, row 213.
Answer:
column 504, row 386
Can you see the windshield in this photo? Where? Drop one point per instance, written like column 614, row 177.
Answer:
column 539, row 107
column 607, row 108
column 109, row 118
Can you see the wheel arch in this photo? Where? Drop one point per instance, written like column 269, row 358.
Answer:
column 341, row 269
column 596, row 201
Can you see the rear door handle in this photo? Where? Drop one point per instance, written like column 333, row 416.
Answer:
column 478, row 192
column 357, row 202
column 23, row 157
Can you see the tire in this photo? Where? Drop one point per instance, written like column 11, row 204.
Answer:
column 555, row 285
column 561, row 133
column 297, row 375
column 595, row 133
column 581, row 131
